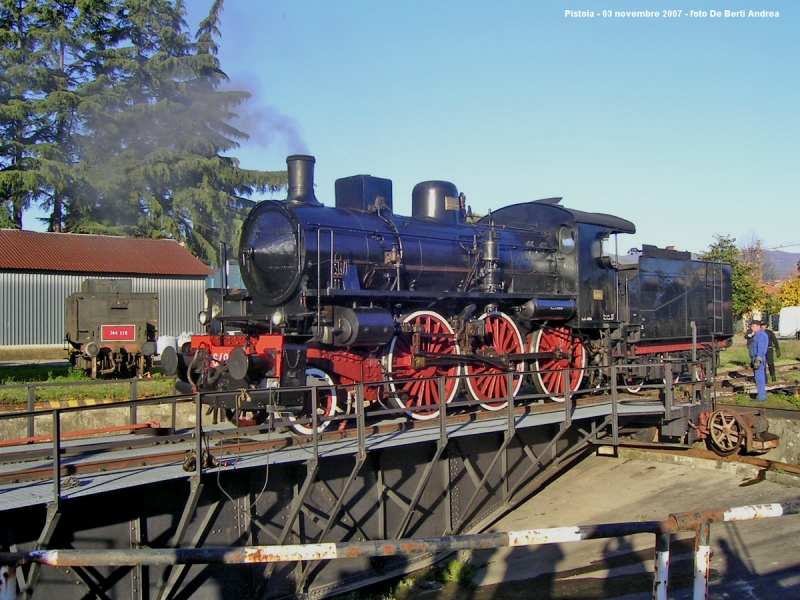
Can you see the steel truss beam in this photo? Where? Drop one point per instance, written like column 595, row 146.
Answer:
column 51, row 521
column 392, row 492
column 191, row 505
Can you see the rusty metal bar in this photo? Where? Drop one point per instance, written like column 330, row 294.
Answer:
column 689, row 521
column 85, row 432
column 698, row 521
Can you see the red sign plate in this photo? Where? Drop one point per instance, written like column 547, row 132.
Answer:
column 118, row 333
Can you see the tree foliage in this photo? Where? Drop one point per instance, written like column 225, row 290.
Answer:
column 790, row 292
column 115, row 121
column 747, row 294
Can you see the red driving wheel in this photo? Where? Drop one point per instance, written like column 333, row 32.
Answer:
column 489, row 384
column 551, row 373
column 418, row 392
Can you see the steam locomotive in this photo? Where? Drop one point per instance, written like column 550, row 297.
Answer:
column 337, row 296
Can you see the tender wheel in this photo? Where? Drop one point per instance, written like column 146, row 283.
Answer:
column 633, row 385
column 645, row 434
column 420, row 395
column 550, row 377
column 726, row 435
column 489, row 384
column 326, row 403
column 245, row 418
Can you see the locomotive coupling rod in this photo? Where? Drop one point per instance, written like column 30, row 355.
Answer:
column 420, row 361
column 557, row 355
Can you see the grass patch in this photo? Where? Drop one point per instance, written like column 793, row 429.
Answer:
column 67, row 383
column 773, row 401
column 457, row 574
column 738, row 355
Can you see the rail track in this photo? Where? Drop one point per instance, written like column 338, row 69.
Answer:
column 225, row 444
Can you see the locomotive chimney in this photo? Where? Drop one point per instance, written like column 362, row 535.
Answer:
column 301, row 179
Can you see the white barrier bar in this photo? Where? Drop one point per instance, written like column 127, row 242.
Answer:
column 661, row 571
column 702, row 562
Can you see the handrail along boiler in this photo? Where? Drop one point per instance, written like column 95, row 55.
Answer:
column 355, row 293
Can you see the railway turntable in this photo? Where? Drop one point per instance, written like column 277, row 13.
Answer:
column 368, row 477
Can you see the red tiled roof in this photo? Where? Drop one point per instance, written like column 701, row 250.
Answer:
column 77, row 253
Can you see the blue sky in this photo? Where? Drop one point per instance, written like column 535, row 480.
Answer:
column 686, row 126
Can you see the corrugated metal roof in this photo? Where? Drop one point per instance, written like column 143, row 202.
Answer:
column 78, row 253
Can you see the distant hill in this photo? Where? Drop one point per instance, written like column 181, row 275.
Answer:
column 780, row 265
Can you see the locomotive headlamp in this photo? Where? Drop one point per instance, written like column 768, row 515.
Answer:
column 278, row 318
column 203, row 317
column 92, row 349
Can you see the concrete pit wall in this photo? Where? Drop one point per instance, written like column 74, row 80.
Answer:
column 101, row 418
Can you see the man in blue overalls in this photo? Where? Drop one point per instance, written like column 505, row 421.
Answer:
column 758, row 359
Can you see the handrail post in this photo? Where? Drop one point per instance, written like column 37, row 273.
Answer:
column 31, row 408
column 133, row 395
column 56, row 457
column 360, row 421
column 668, row 390
column 198, row 436
column 702, row 561
column 315, row 420
column 614, row 400
column 661, row 570
column 511, row 426
column 442, row 384
column 568, row 398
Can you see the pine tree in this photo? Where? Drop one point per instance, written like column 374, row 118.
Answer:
column 18, row 177
column 157, row 160
column 115, row 121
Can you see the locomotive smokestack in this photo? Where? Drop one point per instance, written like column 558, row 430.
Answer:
column 301, row 179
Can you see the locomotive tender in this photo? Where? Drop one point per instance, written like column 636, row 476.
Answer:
column 357, row 294
column 111, row 330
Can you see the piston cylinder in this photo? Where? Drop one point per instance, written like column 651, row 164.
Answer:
column 547, row 309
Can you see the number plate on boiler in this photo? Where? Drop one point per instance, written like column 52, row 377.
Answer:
column 118, row 333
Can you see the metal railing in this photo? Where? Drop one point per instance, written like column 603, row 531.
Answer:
column 133, row 393
column 692, row 521
column 201, row 437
